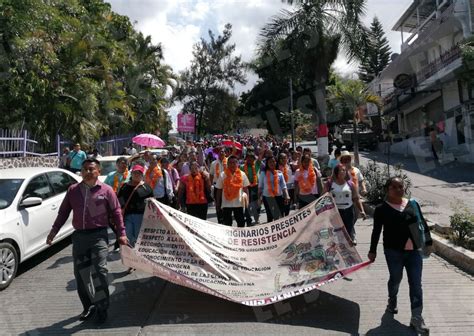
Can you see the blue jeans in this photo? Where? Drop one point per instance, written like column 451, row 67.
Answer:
column 133, row 223
column 413, row 263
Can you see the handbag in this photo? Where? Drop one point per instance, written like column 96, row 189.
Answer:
column 419, row 230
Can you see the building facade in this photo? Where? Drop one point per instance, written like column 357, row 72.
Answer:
column 424, row 88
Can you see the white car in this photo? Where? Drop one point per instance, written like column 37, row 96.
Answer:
column 29, row 202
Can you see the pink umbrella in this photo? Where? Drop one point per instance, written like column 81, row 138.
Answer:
column 149, row 140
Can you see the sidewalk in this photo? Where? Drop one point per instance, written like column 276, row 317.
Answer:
column 43, row 301
column 434, row 185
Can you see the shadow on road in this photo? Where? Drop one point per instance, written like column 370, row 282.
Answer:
column 45, row 255
column 390, row 326
column 316, row 309
column 154, row 302
column 450, row 172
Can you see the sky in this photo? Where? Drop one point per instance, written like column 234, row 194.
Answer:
column 179, row 24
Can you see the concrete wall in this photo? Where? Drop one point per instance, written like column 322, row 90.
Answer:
column 450, row 95
column 32, row 161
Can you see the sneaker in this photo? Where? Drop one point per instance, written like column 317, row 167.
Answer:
column 354, row 242
column 87, row 313
column 392, row 306
column 419, row 325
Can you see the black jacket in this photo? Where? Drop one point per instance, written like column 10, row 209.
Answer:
column 395, row 227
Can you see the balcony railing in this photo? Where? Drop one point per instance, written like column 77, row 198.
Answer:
column 444, row 60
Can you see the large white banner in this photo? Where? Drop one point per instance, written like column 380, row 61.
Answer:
column 253, row 266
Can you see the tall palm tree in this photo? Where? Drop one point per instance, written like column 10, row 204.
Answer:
column 314, row 32
column 355, row 95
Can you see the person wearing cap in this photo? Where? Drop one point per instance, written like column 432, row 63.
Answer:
column 132, row 196
column 92, row 203
column 160, row 182
column 353, row 173
column 251, row 168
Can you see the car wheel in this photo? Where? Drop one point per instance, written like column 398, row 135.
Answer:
column 8, row 264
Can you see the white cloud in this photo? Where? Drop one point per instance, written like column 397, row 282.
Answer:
column 179, row 24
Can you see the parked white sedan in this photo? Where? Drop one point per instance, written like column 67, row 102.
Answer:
column 29, row 202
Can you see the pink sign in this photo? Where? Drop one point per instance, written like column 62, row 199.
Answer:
column 186, row 123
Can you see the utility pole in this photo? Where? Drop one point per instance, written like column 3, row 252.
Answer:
column 293, row 144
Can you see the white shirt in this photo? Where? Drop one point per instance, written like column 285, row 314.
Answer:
column 314, row 190
column 342, row 195
column 213, row 170
column 291, row 177
column 358, row 175
column 262, row 183
column 236, row 202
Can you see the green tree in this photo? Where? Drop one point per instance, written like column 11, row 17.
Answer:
column 377, row 55
column 79, row 69
column 354, row 94
column 313, row 33
column 213, row 71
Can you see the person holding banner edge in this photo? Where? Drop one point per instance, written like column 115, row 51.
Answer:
column 397, row 216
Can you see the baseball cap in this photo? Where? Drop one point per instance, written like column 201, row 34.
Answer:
column 138, row 168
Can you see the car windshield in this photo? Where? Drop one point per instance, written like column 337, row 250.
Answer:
column 107, row 167
column 9, row 188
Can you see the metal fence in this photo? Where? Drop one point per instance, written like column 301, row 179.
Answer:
column 14, row 143
column 17, row 143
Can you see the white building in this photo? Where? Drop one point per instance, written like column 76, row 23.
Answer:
column 433, row 95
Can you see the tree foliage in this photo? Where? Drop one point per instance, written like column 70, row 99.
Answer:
column 214, row 71
column 304, row 43
column 377, row 55
column 78, row 69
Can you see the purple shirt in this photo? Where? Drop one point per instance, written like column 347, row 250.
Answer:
column 91, row 208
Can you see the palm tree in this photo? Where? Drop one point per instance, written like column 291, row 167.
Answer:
column 355, row 95
column 314, row 31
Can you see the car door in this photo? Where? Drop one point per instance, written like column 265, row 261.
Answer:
column 60, row 182
column 37, row 220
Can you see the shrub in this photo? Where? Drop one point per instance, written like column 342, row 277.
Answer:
column 462, row 222
column 376, row 175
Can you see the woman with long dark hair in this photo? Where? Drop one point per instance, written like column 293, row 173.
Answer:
column 396, row 216
column 272, row 190
column 346, row 195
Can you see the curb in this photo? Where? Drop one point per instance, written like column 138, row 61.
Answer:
column 457, row 256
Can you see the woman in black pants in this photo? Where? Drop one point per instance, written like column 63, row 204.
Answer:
column 272, row 190
column 345, row 194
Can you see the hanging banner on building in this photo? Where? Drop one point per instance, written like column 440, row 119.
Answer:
column 254, row 266
column 186, row 123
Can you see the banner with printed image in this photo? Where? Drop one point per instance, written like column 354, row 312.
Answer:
column 254, row 266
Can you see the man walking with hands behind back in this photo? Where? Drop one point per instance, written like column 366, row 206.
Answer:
column 92, row 202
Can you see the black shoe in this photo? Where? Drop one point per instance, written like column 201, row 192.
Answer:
column 87, row 313
column 392, row 306
column 101, row 316
column 419, row 325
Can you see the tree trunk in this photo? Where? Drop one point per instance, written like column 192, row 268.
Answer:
column 355, row 125
column 201, row 114
column 321, row 108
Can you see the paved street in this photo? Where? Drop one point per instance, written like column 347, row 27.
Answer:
column 43, row 301
column 436, row 186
